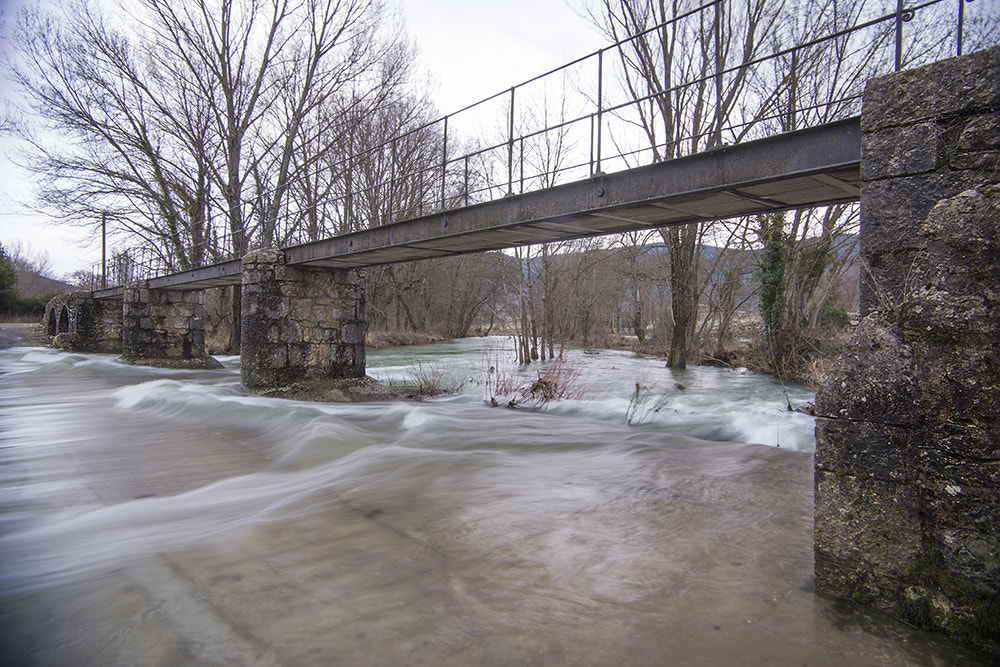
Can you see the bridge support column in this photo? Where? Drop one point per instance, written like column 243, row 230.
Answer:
column 907, row 478
column 303, row 331
column 164, row 328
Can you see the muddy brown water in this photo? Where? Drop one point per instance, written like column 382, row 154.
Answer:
column 154, row 517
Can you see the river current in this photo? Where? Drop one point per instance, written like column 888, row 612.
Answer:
column 163, row 517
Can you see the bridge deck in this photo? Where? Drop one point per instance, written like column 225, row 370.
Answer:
column 812, row 167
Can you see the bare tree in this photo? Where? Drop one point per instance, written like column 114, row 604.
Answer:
column 215, row 105
column 106, row 146
column 689, row 74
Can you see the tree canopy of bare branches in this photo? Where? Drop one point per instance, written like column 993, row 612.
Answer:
column 200, row 127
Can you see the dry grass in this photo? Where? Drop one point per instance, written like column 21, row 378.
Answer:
column 432, row 379
column 556, row 379
column 377, row 340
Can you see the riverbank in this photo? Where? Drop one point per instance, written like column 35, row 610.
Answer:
column 807, row 360
column 378, row 340
column 21, row 334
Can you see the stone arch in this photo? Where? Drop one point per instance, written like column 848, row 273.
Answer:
column 50, row 321
column 62, row 322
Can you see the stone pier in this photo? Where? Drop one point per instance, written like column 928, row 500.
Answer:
column 164, row 328
column 303, row 331
column 907, row 478
column 78, row 322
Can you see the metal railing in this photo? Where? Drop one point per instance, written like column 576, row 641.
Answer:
column 557, row 127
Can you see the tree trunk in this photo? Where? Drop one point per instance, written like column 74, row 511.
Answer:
column 682, row 243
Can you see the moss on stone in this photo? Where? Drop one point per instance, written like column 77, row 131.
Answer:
column 861, row 598
column 942, row 601
column 332, row 390
column 196, row 363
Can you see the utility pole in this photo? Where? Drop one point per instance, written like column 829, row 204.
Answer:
column 104, row 250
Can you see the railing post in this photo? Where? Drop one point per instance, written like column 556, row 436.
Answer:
column 596, row 167
column 792, row 91
column 520, row 162
column 104, row 250
column 392, row 178
column 444, row 162
column 899, row 34
column 349, row 183
column 961, row 24
column 717, row 141
column 466, row 180
column 593, row 117
column 510, row 147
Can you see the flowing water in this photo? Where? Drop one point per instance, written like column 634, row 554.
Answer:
column 158, row 517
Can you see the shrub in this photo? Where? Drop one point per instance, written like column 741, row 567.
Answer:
column 833, row 314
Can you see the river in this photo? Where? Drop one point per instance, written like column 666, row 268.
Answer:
column 164, row 517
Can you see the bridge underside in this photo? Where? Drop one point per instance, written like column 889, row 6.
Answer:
column 812, row 167
column 796, row 170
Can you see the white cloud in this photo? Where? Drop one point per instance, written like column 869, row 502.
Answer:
column 479, row 48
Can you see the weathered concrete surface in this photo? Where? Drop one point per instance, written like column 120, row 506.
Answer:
column 303, row 331
column 164, row 328
column 907, row 477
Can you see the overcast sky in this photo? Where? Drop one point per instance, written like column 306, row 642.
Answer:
column 471, row 48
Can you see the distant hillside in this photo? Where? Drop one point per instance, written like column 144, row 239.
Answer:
column 30, row 285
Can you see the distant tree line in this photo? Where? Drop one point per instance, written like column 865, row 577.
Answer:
column 23, row 281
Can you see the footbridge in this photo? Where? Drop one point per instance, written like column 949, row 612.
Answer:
column 760, row 131
column 304, row 305
column 813, row 167
column 907, row 488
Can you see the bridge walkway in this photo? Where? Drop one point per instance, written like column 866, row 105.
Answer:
column 812, row 167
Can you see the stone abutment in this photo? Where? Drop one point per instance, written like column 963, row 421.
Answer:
column 907, row 465
column 78, row 322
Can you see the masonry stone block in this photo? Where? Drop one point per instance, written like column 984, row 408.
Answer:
column 880, row 451
column 163, row 327
column 899, row 206
column 288, row 336
column 274, row 307
column 875, row 351
column 921, row 150
column 962, row 452
column 946, row 88
column 907, row 477
column 964, row 518
column 978, row 161
column 291, row 332
column 870, row 531
column 981, row 132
